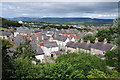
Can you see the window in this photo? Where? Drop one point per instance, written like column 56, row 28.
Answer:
column 103, row 52
column 51, row 55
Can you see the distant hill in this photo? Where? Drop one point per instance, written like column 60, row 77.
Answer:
column 51, row 19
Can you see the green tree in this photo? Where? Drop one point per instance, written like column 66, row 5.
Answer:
column 89, row 37
column 112, row 58
column 25, row 69
column 7, row 63
column 48, row 27
column 61, row 70
column 24, row 50
column 95, row 73
column 104, row 33
column 5, row 44
column 83, row 62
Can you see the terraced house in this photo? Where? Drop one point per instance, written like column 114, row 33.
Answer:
column 54, row 42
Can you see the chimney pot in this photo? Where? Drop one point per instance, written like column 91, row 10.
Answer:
column 88, row 42
column 105, row 41
column 96, row 40
column 81, row 41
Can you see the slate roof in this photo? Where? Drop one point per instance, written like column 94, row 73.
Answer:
column 74, row 45
column 69, row 43
column 50, row 44
column 18, row 39
column 38, row 50
column 102, row 46
column 97, row 45
column 106, row 47
column 6, row 33
column 25, row 30
column 74, row 31
column 61, row 38
column 33, row 37
column 84, row 45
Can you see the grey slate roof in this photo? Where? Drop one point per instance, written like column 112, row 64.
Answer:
column 6, row 33
column 18, row 39
column 74, row 45
column 69, row 43
column 106, row 47
column 84, row 45
column 102, row 46
column 25, row 30
column 50, row 44
column 80, row 35
column 97, row 45
column 61, row 38
column 38, row 50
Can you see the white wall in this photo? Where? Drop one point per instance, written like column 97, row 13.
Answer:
column 48, row 51
column 72, row 49
column 40, row 57
column 15, row 34
column 73, row 39
column 96, row 51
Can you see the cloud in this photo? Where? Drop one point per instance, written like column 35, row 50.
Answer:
column 62, row 9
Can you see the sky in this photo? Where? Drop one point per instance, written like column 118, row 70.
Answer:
column 103, row 10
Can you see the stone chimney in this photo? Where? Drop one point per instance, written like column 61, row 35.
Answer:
column 96, row 40
column 88, row 42
column 105, row 41
column 51, row 38
column 42, row 37
column 81, row 41
column 37, row 40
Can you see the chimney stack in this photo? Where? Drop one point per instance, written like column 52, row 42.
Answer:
column 96, row 40
column 37, row 40
column 88, row 42
column 81, row 41
column 105, row 41
column 42, row 37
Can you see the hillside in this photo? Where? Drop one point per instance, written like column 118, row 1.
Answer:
column 8, row 23
column 50, row 19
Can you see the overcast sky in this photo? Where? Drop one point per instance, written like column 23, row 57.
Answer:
column 62, row 9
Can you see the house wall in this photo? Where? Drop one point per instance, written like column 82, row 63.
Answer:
column 73, row 39
column 96, row 51
column 67, row 40
column 15, row 34
column 48, row 51
column 83, row 50
column 40, row 57
column 3, row 37
column 62, row 44
column 72, row 49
